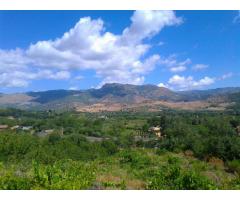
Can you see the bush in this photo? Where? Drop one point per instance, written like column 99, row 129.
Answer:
column 11, row 182
column 67, row 175
column 171, row 176
column 54, row 138
column 135, row 159
column 235, row 183
column 110, row 147
column 193, row 181
column 234, row 166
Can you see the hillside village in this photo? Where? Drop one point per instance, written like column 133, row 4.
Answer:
column 152, row 131
column 25, row 129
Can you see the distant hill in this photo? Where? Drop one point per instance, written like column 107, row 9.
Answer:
column 205, row 94
column 131, row 93
column 51, row 95
column 122, row 96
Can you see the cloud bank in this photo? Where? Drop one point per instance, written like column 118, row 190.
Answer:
column 115, row 58
column 177, row 82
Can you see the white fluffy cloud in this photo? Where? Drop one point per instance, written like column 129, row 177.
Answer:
column 173, row 65
column 16, row 72
column 74, row 88
column 161, row 43
column 79, row 77
column 12, row 59
column 22, row 78
column 199, row 67
column 226, row 76
column 178, row 69
column 146, row 24
column 162, row 85
column 115, row 58
column 236, row 19
column 177, row 82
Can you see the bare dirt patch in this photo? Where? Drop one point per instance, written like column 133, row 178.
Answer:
column 148, row 105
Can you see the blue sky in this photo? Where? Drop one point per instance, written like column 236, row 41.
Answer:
column 181, row 50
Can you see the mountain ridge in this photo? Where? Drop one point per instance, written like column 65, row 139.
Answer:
column 115, row 93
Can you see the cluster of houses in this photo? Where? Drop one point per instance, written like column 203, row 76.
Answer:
column 155, row 130
column 3, row 126
column 16, row 127
column 26, row 128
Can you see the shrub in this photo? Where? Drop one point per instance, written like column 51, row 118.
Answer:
column 136, row 159
column 234, row 166
column 63, row 175
column 12, row 182
column 193, row 181
column 110, row 147
column 54, row 138
column 216, row 162
column 171, row 176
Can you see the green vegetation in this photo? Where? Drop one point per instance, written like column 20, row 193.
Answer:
column 117, row 150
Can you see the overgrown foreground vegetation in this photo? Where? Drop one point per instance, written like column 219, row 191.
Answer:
column 197, row 150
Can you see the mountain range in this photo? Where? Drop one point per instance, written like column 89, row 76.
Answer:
column 115, row 97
